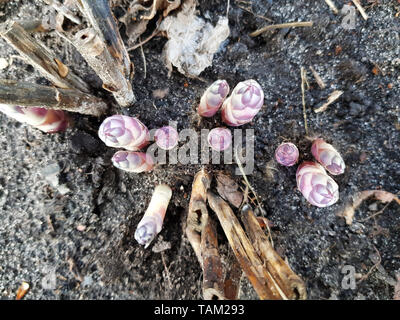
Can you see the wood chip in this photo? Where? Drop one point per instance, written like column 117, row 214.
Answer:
column 22, row 290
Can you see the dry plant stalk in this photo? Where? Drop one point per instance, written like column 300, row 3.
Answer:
column 33, row 95
column 281, row 26
column 232, row 278
column 289, row 282
column 318, row 78
column 213, row 282
column 103, row 49
column 40, row 57
column 332, row 6
column 198, row 214
column 331, row 99
column 361, row 9
column 349, row 210
column 247, row 257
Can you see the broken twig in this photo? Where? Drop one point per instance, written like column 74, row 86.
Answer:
column 35, row 95
column 103, row 49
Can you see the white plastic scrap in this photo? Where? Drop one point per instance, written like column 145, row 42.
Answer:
column 192, row 41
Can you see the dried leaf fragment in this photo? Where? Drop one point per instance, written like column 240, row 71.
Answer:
column 228, row 189
column 349, row 210
column 331, row 99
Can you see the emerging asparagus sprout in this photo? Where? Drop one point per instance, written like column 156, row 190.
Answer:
column 220, row 139
column 46, row 120
column 328, row 156
column 213, row 98
column 287, row 154
column 243, row 104
column 133, row 161
column 124, row 132
column 316, row 186
column 166, row 137
column 152, row 221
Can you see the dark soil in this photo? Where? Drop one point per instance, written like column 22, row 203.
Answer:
column 39, row 226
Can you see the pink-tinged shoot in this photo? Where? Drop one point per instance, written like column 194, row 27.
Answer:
column 120, row 131
column 133, row 161
column 287, row 154
column 166, row 137
column 213, row 98
column 328, row 156
column 243, row 104
column 219, row 139
column 46, row 120
column 152, row 221
column 316, row 186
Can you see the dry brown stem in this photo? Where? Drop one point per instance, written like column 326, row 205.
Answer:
column 103, row 49
column 34, row 95
column 37, row 54
column 232, row 278
column 289, row 282
column 198, row 214
column 213, row 282
column 247, row 257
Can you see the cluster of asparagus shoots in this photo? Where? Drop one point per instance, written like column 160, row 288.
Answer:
column 100, row 45
column 270, row 275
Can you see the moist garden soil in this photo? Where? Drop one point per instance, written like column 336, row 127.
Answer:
column 83, row 240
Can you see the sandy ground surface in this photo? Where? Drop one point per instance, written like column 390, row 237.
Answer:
column 39, row 226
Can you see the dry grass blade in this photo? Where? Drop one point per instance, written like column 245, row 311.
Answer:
column 303, row 97
column 289, row 282
column 332, row 6
column 281, row 26
column 245, row 254
column 361, row 9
